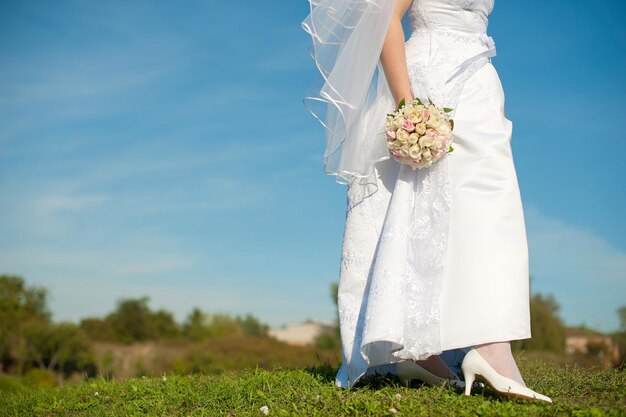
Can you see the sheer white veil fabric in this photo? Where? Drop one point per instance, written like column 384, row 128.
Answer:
column 350, row 95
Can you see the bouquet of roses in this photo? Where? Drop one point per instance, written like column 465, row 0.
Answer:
column 417, row 134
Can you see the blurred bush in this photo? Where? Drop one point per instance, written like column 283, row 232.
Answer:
column 132, row 321
column 331, row 338
column 39, row 378
column 620, row 338
column 239, row 352
column 548, row 330
column 28, row 338
column 10, row 383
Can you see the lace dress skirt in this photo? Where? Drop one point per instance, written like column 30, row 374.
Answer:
column 484, row 294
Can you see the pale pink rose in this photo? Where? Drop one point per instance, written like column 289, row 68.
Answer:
column 443, row 129
column 431, row 132
column 408, row 125
column 391, row 134
column 425, row 115
column 443, row 140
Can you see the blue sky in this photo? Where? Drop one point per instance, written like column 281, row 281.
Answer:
column 162, row 149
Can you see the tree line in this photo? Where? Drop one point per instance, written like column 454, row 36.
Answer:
column 30, row 339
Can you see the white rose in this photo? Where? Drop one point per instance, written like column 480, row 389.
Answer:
column 390, row 123
column 413, row 138
column 426, row 141
column 402, row 135
column 424, row 163
column 394, row 144
column 415, row 117
column 444, row 128
column 435, row 119
column 415, row 152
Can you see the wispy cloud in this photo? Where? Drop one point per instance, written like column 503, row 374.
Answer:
column 115, row 262
column 66, row 203
column 585, row 273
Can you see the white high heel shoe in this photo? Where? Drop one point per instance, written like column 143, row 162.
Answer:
column 475, row 365
column 409, row 370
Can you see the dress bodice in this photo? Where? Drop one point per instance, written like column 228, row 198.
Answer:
column 463, row 15
column 448, row 44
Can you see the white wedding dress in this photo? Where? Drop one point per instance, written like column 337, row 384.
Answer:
column 423, row 271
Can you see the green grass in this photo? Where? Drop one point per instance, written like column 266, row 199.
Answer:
column 575, row 391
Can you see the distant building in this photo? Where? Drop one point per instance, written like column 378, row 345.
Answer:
column 582, row 342
column 300, row 334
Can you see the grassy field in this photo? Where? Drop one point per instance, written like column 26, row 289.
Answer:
column 575, row 391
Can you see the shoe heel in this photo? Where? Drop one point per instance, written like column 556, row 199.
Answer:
column 405, row 381
column 403, row 374
column 469, row 376
column 474, row 364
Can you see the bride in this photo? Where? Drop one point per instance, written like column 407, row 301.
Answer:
column 433, row 259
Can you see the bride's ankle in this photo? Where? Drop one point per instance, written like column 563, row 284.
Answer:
column 436, row 366
column 495, row 351
column 500, row 357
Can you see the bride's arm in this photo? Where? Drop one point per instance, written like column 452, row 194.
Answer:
column 393, row 55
